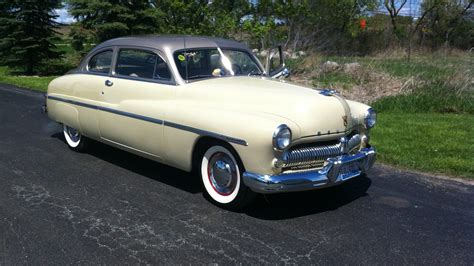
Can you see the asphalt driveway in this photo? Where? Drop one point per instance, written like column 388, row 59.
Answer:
column 108, row 206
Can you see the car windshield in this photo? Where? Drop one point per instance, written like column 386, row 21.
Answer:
column 204, row 63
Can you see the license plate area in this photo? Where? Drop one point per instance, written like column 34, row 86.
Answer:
column 349, row 170
column 345, row 167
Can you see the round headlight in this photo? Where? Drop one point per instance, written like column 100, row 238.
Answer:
column 370, row 118
column 281, row 137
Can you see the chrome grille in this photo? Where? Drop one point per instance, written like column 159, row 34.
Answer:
column 300, row 158
column 310, row 154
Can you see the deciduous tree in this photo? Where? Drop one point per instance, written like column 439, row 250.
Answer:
column 393, row 8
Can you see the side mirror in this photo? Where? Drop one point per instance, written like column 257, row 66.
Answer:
column 275, row 66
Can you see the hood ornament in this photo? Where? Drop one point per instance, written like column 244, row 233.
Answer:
column 328, row 92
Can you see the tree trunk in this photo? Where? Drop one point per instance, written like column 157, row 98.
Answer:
column 409, row 48
column 29, row 69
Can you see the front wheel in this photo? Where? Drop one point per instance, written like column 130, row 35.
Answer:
column 221, row 174
column 74, row 139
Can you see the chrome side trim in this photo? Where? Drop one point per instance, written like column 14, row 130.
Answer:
column 336, row 171
column 206, row 133
column 131, row 115
column 153, row 120
column 72, row 102
column 110, row 110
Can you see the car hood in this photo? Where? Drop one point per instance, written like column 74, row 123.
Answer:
column 314, row 113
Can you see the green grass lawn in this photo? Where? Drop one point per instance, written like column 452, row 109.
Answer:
column 30, row 82
column 430, row 142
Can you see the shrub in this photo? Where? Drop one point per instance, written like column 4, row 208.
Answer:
column 59, row 66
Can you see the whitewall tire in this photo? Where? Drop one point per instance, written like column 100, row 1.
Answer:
column 74, row 139
column 221, row 174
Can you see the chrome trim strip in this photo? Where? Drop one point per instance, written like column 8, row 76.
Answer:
column 154, row 120
column 110, row 110
column 72, row 102
column 206, row 133
column 131, row 115
column 336, row 171
column 319, row 134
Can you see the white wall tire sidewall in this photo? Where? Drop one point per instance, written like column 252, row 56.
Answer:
column 70, row 142
column 205, row 178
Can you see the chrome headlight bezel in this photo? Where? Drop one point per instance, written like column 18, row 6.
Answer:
column 281, row 137
column 370, row 118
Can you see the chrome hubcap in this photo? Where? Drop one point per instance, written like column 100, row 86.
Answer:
column 222, row 173
column 73, row 134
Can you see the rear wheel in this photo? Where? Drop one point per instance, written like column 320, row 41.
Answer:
column 74, row 139
column 221, row 173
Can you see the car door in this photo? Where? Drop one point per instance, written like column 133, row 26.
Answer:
column 87, row 89
column 135, row 99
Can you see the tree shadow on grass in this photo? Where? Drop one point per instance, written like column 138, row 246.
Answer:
column 266, row 207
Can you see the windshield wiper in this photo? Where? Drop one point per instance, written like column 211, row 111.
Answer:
column 200, row 76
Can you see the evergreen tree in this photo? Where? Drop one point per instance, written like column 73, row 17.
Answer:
column 27, row 29
column 115, row 18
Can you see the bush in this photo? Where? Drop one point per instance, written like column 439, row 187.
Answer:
column 59, row 66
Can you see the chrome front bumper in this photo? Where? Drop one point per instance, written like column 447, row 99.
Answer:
column 336, row 171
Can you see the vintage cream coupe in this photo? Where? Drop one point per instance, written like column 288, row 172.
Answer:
column 208, row 104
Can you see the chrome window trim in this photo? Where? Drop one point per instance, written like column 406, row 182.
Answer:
column 249, row 53
column 154, row 120
column 159, row 53
column 112, row 61
column 83, row 66
column 171, row 82
column 164, row 82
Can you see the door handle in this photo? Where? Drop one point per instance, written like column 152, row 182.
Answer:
column 108, row 83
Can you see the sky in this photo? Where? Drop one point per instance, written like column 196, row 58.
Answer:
column 411, row 8
column 64, row 17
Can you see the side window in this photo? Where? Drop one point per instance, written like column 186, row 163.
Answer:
column 162, row 72
column 141, row 64
column 100, row 62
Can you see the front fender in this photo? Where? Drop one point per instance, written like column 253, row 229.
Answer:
column 358, row 111
column 249, row 133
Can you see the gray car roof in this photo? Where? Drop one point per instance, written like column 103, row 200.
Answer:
column 172, row 42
